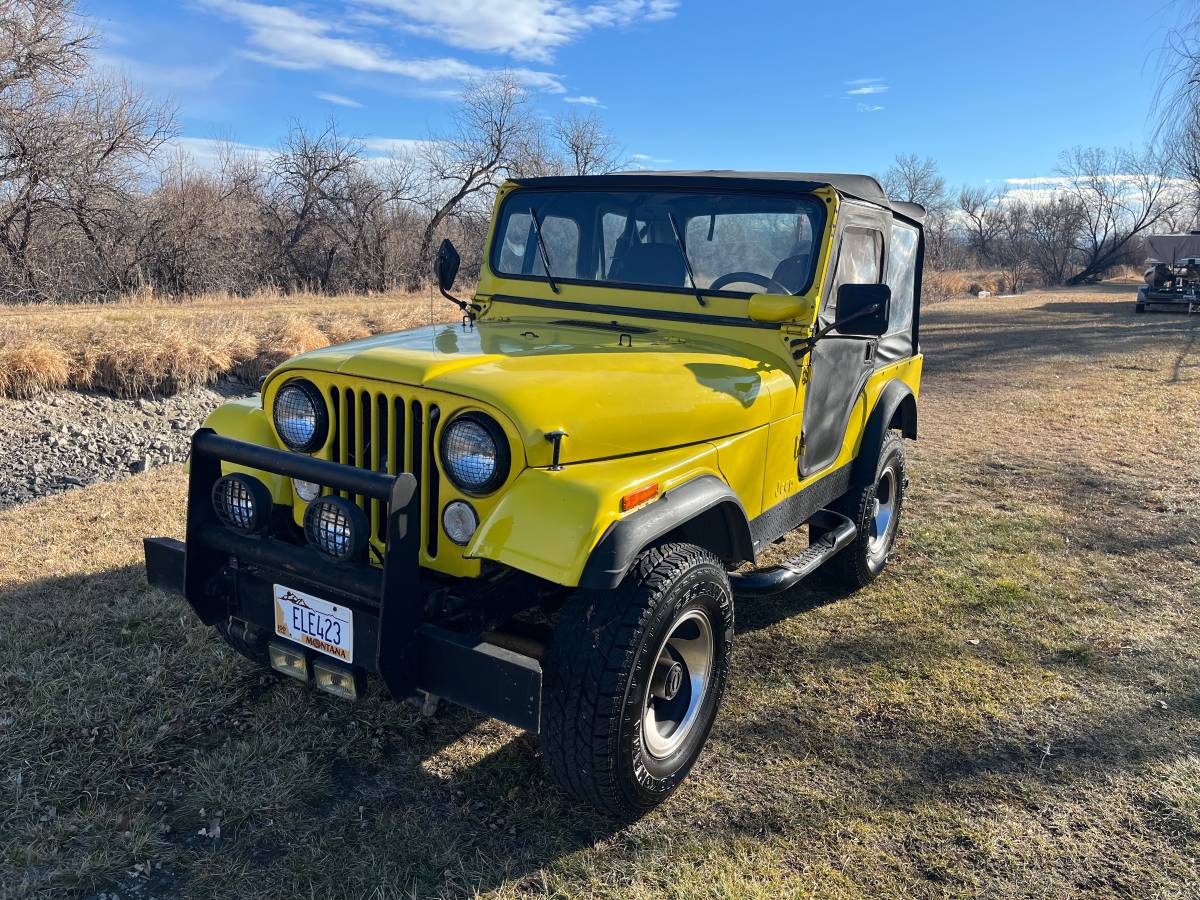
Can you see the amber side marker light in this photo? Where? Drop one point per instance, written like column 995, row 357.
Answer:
column 638, row 497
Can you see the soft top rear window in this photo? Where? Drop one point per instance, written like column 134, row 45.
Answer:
column 737, row 243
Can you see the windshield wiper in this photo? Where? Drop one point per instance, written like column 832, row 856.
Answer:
column 537, row 230
column 687, row 263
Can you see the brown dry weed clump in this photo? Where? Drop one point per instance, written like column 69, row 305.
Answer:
column 150, row 346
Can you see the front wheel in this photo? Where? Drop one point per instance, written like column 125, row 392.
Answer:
column 875, row 508
column 634, row 678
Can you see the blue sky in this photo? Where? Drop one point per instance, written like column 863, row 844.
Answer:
column 992, row 90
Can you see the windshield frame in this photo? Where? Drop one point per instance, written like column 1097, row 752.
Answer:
column 819, row 223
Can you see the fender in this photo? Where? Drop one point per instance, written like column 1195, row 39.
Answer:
column 244, row 420
column 702, row 511
column 896, row 407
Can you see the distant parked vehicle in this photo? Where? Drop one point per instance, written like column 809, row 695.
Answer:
column 1172, row 273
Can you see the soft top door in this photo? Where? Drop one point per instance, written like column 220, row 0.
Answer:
column 841, row 364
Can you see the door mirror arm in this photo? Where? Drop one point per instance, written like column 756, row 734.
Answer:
column 802, row 346
column 446, row 270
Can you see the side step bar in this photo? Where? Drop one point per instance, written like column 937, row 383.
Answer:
column 837, row 532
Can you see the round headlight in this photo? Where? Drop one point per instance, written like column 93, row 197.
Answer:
column 242, row 502
column 300, row 416
column 475, row 453
column 459, row 521
column 336, row 527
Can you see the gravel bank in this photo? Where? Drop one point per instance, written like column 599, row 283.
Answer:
column 68, row 439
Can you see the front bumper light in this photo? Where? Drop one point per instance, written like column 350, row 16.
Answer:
column 475, row 453
column 301, row 418
column 336, row 527
column 242, row 503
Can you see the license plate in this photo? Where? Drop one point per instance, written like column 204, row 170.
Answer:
column 313, row 622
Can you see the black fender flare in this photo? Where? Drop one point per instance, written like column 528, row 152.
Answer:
column 897, row 405
column 703, row 511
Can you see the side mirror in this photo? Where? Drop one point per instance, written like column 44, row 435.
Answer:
column 447, row 265
column 863, row 309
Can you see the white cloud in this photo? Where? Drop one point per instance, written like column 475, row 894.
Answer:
column 207, row 153
column 287, row 39
column 646, row 161
column 165, row 77
column 867, row 107
column 584, row 99
column 389, row 147
column 864, row 87
column 337, row 99
column 524, row 29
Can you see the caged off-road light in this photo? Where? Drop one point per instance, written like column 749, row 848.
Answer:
column 300, row 416
column 336, row 527
column 242, row 502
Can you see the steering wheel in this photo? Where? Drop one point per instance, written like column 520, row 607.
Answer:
column 750, row 278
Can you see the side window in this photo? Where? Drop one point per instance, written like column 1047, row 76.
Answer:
column 860, row 261
column 901, row 276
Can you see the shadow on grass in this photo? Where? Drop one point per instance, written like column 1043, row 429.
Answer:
column 317, row 795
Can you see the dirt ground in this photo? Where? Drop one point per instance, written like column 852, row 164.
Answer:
column 1013, row 710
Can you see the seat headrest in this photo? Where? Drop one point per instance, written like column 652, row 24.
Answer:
column 648, row 264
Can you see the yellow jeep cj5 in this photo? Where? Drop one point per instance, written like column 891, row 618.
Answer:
column 535, row 513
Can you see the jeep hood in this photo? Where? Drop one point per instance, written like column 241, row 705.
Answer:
column 615, row 390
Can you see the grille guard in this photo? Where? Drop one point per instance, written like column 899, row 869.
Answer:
column 411, row 654
column 210, row 544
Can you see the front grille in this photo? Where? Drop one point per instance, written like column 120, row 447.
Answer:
column 391, row 433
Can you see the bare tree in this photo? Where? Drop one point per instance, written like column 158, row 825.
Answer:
column 916, row 180
column 589, row 148
column 982, row 219
column 1120, row 196
column 489, row 129
column 74, row 148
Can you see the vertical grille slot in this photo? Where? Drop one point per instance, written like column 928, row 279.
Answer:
column 431, row 499
column 348, row 440
column 380, row 460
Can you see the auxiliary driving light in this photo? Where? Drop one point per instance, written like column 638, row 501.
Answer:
column 287, row 661
column 459, row 521
column 336, row 527
column 242, row 502
column 336, row 680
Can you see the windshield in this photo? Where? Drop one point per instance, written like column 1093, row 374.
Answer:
column 736, row 243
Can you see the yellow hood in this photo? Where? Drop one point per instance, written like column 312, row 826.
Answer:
column 613, row 390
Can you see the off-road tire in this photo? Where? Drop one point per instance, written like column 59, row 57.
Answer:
column 597, row 675
column 246, row 639
column 856, row 565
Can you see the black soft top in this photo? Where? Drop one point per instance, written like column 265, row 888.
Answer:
column 859, row 187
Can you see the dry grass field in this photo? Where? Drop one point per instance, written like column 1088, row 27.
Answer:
column 148, row 345
column 1014, row 710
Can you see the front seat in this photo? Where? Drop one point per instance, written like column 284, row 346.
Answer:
column 793, row 271
column 648, row 264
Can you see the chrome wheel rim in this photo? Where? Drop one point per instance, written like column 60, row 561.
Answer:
column 679, row 684
column 883, row 514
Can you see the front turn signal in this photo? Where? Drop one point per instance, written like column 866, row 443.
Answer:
column 638, row 497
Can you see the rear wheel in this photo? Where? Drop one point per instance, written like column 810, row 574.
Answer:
column 875, row 508
column 634, row 678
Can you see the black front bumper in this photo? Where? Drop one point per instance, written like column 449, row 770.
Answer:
column 223, row 573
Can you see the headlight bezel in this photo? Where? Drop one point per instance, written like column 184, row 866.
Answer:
column 503, row 453
column 320, row 415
